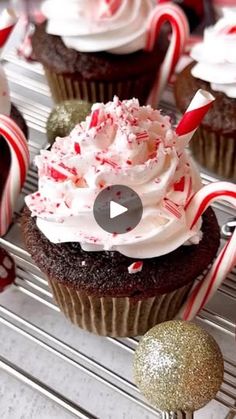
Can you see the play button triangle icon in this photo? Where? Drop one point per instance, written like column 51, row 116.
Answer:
column 116, row 209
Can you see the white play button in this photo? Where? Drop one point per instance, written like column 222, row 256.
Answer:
column 116, row 209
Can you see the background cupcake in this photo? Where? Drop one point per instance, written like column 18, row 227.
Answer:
column 109, row 283
column 93, row 49
column 214, row 69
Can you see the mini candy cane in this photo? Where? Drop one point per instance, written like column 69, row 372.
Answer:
column 193, row 116
column 204, row 290
column 162, row 13
column 8, row 20
column 17, row 144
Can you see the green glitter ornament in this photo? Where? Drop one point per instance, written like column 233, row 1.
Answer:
column 178, row 366
column 64, row 117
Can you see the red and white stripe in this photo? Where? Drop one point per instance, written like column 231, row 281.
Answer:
column 226, row 259
column 94, row 118
column 18, row 169
column 163, row 13
column 8, row 20
column 108, row 8
column 190, row 121
column 228, row 30
column 142, row 136
column 183, row 186
column 172, row 208
column 135, row 267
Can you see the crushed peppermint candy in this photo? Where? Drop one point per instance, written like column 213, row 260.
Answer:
column 118, row 143
column 135, row 267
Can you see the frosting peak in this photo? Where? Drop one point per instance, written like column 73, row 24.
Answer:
column 216, row 55
column 118, row 143
column 87, row 26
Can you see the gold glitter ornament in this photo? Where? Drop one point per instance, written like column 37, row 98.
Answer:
column 65, row 116
column 178, row 366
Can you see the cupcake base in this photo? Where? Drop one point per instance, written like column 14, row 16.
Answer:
column 96, row 291
column 214, row 143
column 215, row 152
column 70, row 86
column 109, row 316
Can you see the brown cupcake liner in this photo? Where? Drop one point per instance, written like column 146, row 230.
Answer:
column 68, row 86
column 109, row 316
column 215, row 151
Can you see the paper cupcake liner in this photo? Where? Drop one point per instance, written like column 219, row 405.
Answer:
column 109, row 316
column 64, row 87
column 215, row 151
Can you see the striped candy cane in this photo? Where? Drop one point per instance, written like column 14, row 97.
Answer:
column 163, row 13
column 8, row 20
column 16, row 175
column 204, row 290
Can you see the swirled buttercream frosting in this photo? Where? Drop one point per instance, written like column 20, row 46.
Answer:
column 216, row 55
column 87, row 26
column 118, row 143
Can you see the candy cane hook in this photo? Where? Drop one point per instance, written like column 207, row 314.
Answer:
column 223, row 264
column 163, row 13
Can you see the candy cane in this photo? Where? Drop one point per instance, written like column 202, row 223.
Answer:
column 199, row 106
column 163, row 13
column 17, row 144
column 8, row 20
column 204, row 290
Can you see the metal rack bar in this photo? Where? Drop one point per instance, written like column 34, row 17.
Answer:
column 43, row 389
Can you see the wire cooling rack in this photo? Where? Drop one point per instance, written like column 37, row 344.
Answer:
column 82, row 375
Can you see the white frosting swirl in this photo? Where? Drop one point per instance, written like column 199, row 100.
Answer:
column 127, row 145
column 84, row 27
column 216, row 55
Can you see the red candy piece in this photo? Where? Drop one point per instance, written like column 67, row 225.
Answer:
column 7, row 269
column 56, row 174
column 179, row 186
column 94, row 118
column 60, row 172
column 228, row 30
column 77, row 148
column 135, row 267
column 232, row 30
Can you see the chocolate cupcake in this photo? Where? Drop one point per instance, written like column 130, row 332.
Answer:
column 110, row 283
column 214, row 143
column 92, row 54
